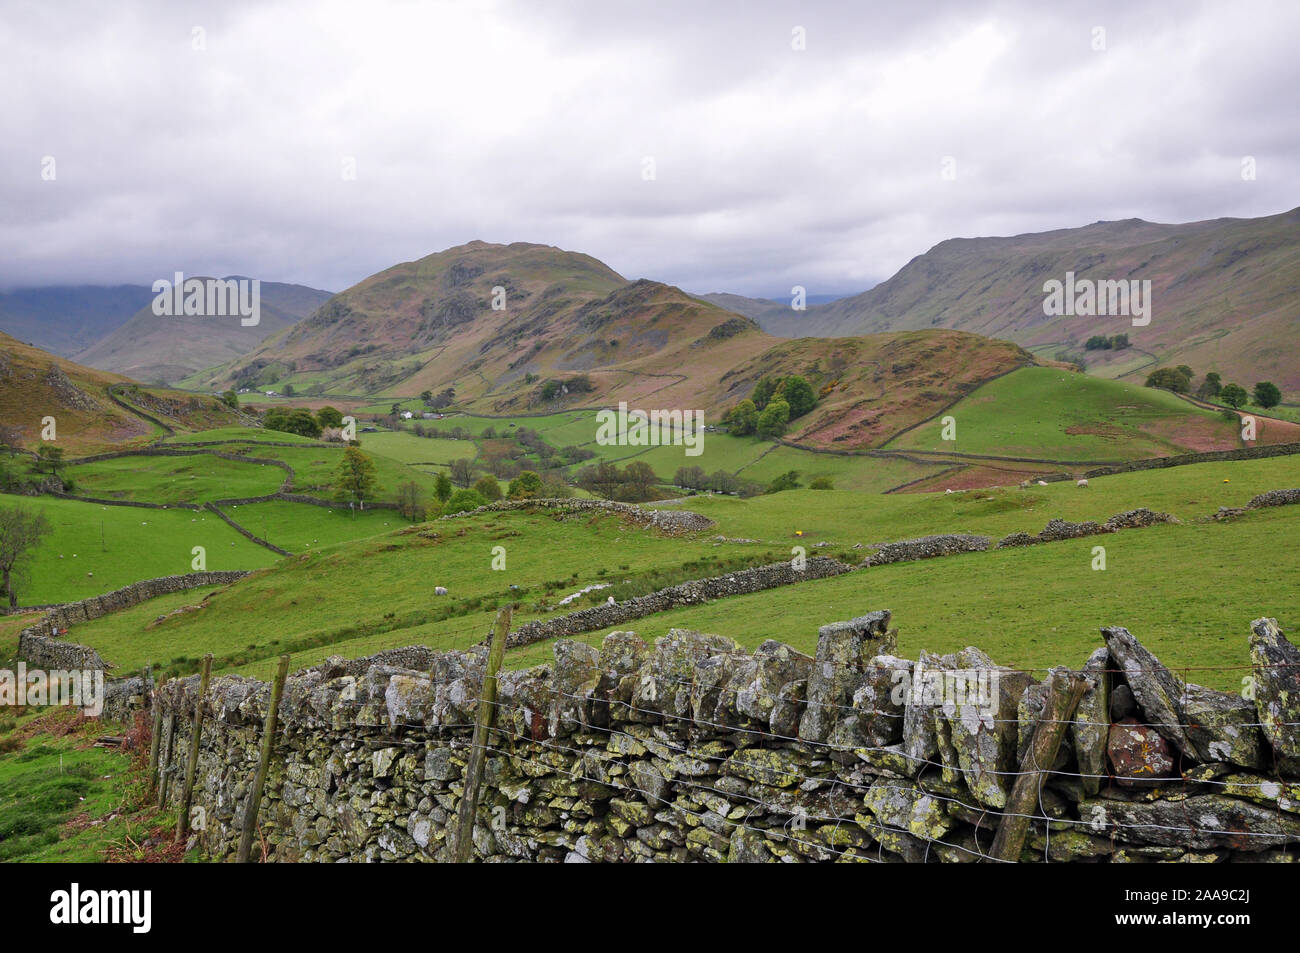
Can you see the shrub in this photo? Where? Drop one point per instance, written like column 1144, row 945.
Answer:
column 462, row 501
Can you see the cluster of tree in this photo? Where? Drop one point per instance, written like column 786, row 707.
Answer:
column 300, row 421
column 553, row 388
column 1178, row 379
column 1099, row 342
column 635, row 483
column 719, row 481
column 768, row 411
column 444, row 398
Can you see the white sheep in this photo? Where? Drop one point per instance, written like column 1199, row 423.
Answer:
column 1082, row 483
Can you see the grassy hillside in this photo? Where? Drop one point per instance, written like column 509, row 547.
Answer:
column 35, row 385
column 1053, row 414
column 312, row 606
column 1224, row 294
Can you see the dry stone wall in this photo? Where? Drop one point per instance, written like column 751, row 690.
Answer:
column 40, row 646
column 693, row 749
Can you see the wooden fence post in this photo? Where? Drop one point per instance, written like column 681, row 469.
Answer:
column 183, row 822
column 155, row 741
column 1064, row 692
column 259, row 781
column 487, row 712
column 166, row 768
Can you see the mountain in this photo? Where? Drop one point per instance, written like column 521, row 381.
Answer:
column 776, row 316
column 571, row 332
column 35, row 385
column 1225, row 294
column 168, row 349
column 66, row 319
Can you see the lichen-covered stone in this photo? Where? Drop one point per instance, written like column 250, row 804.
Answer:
column 1277, row 691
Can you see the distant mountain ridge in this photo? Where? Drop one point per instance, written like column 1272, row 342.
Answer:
column 166, row 349
column 67, row 319
column 1226, row 295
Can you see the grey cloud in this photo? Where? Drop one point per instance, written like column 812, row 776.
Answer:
column 529, row 122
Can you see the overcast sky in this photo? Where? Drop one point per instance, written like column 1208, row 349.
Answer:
column 215, row 138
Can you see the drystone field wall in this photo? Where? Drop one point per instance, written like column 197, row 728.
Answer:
column 692, row 749
column 1208, row 456
column 691, row 593
column 39, row 645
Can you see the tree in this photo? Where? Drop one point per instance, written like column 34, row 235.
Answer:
column 427, row 397
column 297, row 421
column 329, row 417
column 355, row 480
column 462, row 501
column 1266, row 394
column 692, row 478
column 772, row 421
column 488, row 488
column 763, row 392
column 410, row 502
column 603, row 479
column 720, row 481
column 442, row 487
column 21, row 531
column 1211, row 386
column 822, row 483
column 1119, row 342
column 49, row 460
column 525, row 486
column 639, row 477
column 1234, row 395
column 230, row 399
column 289, row 390
column 742, row 420
column 798, row 393
column 462, row 472
column 1168, row 378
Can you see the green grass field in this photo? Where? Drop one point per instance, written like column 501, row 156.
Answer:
column 1040, row 606
column 175, row 479
column 358, row 597
column 1046, row 413
column 95, row 549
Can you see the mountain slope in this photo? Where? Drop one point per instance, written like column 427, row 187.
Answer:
column 1226, row 295
column 575, row 333
column 168, row 349
column 66, row 319
column 35, row 385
